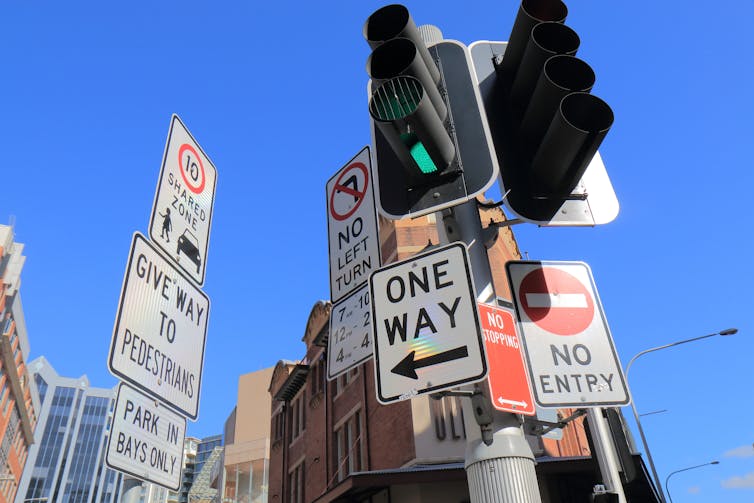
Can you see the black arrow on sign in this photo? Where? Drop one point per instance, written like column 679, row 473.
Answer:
column 407, row 367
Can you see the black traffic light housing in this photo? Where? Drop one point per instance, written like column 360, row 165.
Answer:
column 546, row 125
column 431, row 144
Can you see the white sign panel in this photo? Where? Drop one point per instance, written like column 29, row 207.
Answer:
column 568, row 346
column 427, row 335
column 352, row 226
column 146, row 439
column 160, row 330
column 350, row 342
column 182, row 210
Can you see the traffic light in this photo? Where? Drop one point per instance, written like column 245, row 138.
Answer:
column 431, row 144
column 545, row 123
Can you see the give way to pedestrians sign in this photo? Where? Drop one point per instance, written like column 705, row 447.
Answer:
column 569, row 350
column 160, row 330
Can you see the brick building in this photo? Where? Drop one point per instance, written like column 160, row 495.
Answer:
column 331, row 441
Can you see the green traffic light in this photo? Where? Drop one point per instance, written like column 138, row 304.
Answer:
column 397, row 99
column 419, row 153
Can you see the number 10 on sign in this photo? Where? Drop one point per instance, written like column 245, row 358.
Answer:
column 350, row 342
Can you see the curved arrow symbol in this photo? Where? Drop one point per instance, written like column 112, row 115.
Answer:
column 407, row 367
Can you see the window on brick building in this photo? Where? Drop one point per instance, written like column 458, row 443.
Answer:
column 347, row 447
column 278, row 425
column 318, row 379
column 297, row 417
column 297, row 484
column 342, row 382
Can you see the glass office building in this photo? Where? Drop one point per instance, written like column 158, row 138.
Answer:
column 66, row 463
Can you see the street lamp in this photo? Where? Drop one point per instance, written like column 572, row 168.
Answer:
column 667, row 489
column 727, row 331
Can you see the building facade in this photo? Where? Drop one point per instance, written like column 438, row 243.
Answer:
column 247, row 441
column 66, row 462
column 206, row 481
column 331, row 441
column 19, row 401
column 190, row 445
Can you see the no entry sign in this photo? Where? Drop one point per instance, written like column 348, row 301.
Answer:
column 556, row 301
column 352, row 226
column 569, row 350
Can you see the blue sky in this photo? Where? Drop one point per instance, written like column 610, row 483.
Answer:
column 276, row 95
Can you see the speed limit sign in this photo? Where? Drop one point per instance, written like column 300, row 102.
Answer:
column 182, row 209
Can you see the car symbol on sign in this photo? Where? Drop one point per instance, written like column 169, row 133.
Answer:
column 189, row 245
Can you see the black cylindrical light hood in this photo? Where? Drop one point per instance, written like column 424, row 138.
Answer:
column 560, row 76
column 530, row 13
column 400, row 106
column 570, row 143
column 401, row 56
column 395, row 21
column 546, row 40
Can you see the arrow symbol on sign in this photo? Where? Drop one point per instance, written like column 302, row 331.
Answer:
column 513, row 403
column 407, row 367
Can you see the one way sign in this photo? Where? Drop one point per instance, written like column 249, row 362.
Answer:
column 426, row 329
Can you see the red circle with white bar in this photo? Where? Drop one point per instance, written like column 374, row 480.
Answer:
column 556, row 301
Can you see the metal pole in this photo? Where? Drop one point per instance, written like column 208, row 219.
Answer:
column 499, row 462
column 605, row 452
column 130, row 490
column 667, row 489
column 646, row 448
column 658, row 484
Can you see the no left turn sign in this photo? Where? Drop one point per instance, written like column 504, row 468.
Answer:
column 352, row 226
column 349, row 191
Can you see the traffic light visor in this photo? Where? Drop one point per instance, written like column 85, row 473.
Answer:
column 396, row 100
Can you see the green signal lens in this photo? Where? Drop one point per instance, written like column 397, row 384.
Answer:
column 419, row 153
column 396, row 100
